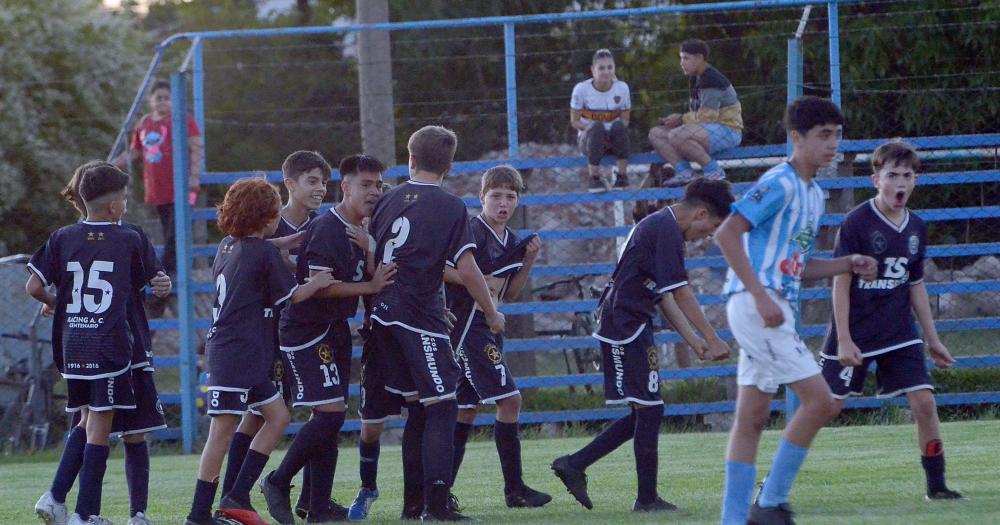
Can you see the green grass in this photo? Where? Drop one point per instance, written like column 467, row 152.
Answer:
column 854, row 475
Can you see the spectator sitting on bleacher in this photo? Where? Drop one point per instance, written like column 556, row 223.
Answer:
column 713, row 123
column 599, row 111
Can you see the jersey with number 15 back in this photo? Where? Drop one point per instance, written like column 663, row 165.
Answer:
column 95, row 267
column 251, row 283
column 418, row 226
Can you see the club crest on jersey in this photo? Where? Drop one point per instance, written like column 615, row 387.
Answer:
column 758, row 194
column 618, row 99
column 914, row 244
column 324, row 353
column 278, row 370
column 653, row 358
column 879, row 244
column 493, row 352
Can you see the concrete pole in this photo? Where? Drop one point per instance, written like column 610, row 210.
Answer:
column 378, row 130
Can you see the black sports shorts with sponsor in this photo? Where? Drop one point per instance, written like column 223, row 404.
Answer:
column 418, row 364
column 632, row 371
column 485, row 377
column 896, row 372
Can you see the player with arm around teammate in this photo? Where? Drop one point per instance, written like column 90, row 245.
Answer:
column 649, row 275
column 873, row 320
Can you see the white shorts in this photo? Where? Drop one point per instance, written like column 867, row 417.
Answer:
column 769, row 357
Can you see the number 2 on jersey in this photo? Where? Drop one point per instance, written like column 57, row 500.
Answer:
column 400, row 227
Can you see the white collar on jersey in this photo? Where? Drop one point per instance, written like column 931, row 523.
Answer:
column 333, row 210
column 418, row 183
column 294, row 227
column 503, row 242
column 100, row 223
column 902, row 225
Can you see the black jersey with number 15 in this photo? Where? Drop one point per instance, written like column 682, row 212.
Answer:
column 418, row 226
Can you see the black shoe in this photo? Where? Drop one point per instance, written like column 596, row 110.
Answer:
column 331, row 514
column 444, row 514
column 526, row 497
column 621, row 179
column 780, row 515
column 658, row 505
column 597, row 184
column 412, row 512
column 574, row 479
column 301, row 510
column 944, row 494
column 279, row 501
column 453, row 504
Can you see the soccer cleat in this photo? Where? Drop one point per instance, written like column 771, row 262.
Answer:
column 362, row 504
column 943, row 494
column 780, row 515
column 75, row 519
column 597, row 184
column 453, row 504
column 279, row 501
column 574, row 479
column 51, row 511
column 682, row 178
column 210, row 521
column 241, row 512
column 621, row 179
column 139, row 519
column 526, row 497
column 301, row 510
column 658, row 505
column 411, row 513
column 333, row 513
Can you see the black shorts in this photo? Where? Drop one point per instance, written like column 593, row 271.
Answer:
column 418, row 364
column 224, row 400
column 99, row 395
column 148, row 413
column 281, row 380
column 896, row 372
column 486, row 377
column 320, row 373
column 632, row 371
column 377, row 403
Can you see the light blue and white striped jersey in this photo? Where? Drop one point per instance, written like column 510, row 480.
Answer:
column 784, row 213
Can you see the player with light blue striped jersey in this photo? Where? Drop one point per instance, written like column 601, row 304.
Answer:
column 784, row 213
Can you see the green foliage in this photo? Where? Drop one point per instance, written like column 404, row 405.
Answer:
column 66, row 71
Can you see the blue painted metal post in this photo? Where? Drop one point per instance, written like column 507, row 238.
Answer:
column 795, row 88
column 185, row 295
column 833, row 25
column 198, row 93
column 510, row 63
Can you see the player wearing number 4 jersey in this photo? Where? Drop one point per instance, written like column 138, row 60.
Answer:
column 97, row 266
column 419, row 226
column 316, row 340
column 873, row 320
column 251, row 283
column 650, row 275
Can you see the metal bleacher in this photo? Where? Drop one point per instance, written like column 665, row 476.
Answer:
column 976, row 146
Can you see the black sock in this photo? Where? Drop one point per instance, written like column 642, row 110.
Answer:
column 234, row 460
column 69, row 464
column 95, row 463
column 413, row 469
column 613, row 437
column 933, row 462
column 137, row 476
column 253, row 465
column 509, row 449
column 644, row 443
column 461, row 438
column 204, row 495
column 369, row 463
column 308, row 440
column 439, row 442
column 303, row 501
column 324, row 461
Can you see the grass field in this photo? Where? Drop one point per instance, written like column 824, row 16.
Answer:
column 854, row 475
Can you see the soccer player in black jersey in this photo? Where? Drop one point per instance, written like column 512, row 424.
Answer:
column 305, row 174
column 132, row 424
column 649, row 275
column 251, row 283
column 506, row 262
column 316, row 341
column 873, row 320
column 419, row 226
column 97, row 266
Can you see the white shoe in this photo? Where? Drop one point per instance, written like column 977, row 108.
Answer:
column 139, row 519
column 75, row 519
column 51, row 511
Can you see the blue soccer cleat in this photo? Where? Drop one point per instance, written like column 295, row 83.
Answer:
column 362, row 504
